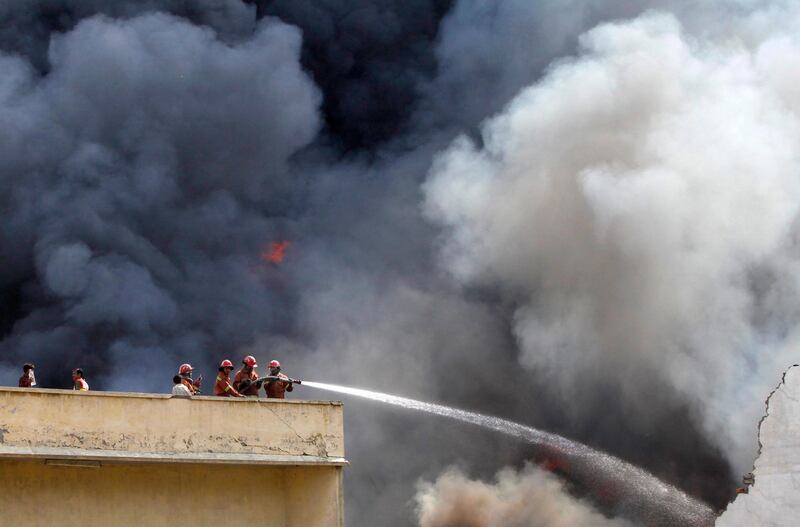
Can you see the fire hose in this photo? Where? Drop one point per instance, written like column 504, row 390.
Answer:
column 247, row 383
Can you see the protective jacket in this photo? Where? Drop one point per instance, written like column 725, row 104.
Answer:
column 241, row 375
column 223, row 386
column 278, row 389
column 189, row 385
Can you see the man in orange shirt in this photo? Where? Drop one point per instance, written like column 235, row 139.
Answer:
column 222, row 387
column 185, row 371
column 277, row 387
column 246, row 378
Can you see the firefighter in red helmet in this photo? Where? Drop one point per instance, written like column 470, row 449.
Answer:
column 222, row 387
column 246, row 379
column 278, row 384
column 193, row 385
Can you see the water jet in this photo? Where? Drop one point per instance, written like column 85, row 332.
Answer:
column 628, row 490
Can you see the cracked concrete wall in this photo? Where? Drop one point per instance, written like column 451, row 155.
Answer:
column 774, row 499
column 164, row 424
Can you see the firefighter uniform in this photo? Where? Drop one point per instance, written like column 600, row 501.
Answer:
column 223, row 388
column 278, row 389
column 241, row 375
column 189, row 385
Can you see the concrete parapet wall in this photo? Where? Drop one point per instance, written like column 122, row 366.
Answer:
column 88, row 459
column 150, row 427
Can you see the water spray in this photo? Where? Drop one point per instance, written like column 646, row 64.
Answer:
column 637, row 493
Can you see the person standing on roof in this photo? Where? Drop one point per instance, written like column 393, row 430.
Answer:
column 278, row 384
column 28, row 379
column 246, row 377
column 185, row 371
column 79, row 383
column 223, row 388
column 179, row 389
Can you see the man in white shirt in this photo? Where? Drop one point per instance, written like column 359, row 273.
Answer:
column 80, row 383
column 179, row 388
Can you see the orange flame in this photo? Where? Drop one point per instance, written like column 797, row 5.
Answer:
column 275, row 253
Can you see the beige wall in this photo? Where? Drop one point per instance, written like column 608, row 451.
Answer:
column 143, row 495
column 140, row 459
column 149, row 423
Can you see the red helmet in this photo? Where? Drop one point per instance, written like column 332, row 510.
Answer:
column 184, row 369
column 250, row 361
column 274, row 364
column 226, row 364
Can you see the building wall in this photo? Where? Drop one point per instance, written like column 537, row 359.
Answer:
column 155, row 423
column 115, row 459
column 774, row 499
column 161, row 494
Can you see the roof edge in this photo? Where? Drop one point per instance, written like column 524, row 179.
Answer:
column 125, row 457
column 141, row 395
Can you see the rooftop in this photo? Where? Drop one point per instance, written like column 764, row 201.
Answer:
column 64, row 426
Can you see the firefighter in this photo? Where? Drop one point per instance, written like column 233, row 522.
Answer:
column 28, row 379
column 179, row 389
column 247, row 375
column 79, row 383
column 276, row 389
column 193, row 385
column 222, row 387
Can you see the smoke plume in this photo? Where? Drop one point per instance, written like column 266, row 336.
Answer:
column 137, row 174
column 638, row 204
column 611, row 256
column 529, row 498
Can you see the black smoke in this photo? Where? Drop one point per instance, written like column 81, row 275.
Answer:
column 145, row 171
column 150, row 151
column 370, row 58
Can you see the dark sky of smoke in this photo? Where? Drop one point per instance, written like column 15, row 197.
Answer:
column 149, row 154
column 370, row 58
column 144, row 173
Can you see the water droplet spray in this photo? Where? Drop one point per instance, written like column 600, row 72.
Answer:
column 638, row 494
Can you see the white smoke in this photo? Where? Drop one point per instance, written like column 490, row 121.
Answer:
column 530, row 498
column 174, row 145
column 638, row 204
